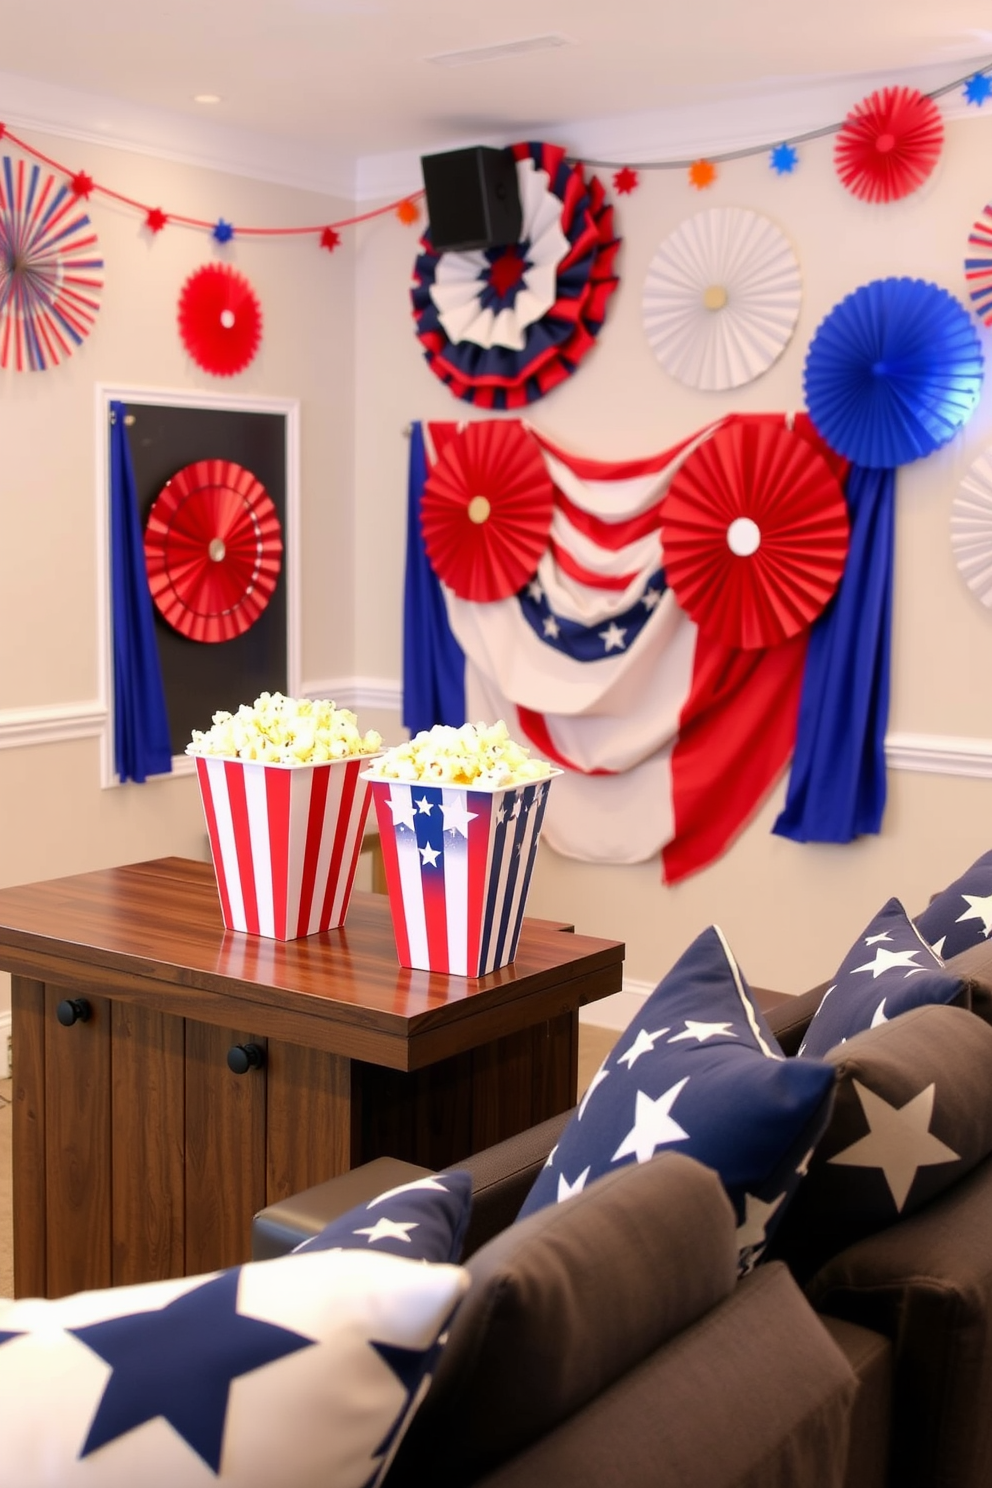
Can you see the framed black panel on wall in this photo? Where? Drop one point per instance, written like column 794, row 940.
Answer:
column 169, row 435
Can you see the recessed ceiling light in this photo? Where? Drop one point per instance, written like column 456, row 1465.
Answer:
column 501, row 49
column 206, row 98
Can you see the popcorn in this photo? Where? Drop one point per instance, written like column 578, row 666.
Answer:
column 278, row 730
column 479, row 755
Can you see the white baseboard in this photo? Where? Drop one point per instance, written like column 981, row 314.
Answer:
column 4, row 1036
column 617, row 1011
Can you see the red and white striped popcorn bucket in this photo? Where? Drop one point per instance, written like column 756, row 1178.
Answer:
column 285, row 841
column 458, row 866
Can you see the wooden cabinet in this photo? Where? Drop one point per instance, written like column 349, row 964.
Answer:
column 139, row 1154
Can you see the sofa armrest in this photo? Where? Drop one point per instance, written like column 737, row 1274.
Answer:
column 789, row 1019
column 502, row 1176
column 282, row 1226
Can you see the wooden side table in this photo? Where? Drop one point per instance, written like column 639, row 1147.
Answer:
column 139, row 1154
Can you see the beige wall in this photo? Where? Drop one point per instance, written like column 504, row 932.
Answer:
column 338, row 337
column 54, row 816
column 790, row 911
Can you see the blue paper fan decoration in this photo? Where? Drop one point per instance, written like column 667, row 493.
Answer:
column 893, row 372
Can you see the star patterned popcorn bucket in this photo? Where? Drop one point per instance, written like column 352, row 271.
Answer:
column 285, row 841
column 458, row 863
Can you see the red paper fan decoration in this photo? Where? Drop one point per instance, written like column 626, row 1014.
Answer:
column 755, row 534
column 486, row 511
column 889, row 143
column 213, row 549
column 220, row 319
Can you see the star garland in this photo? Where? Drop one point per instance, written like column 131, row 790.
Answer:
column 82, row 186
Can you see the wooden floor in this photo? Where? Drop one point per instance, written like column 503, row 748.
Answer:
column 594, row 1045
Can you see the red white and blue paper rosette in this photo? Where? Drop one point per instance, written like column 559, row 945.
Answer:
column 978, row 266
column 893, row 372
column 503, row 326
column 51, row 273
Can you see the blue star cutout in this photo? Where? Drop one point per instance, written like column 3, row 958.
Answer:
column 783, row 159
column 178, row 1362
column 222, row 231
column 978, row 88
column 6, row 1337
column 409, row 1367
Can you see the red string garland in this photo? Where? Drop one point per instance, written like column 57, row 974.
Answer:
column 155, row 219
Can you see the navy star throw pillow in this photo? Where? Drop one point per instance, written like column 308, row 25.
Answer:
column 889, row 969
column 424, row 1220
column 960, row 917
column 699, row 1070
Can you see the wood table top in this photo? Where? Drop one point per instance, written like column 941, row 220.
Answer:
column 152, row 932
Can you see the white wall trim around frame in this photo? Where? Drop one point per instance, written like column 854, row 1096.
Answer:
column 289, row 408
column 358, row 692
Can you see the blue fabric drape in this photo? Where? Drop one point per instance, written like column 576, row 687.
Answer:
column 433, row 661
column 141, row 721
column 837, row 782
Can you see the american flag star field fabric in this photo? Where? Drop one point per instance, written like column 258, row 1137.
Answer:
column 668, row 738
column 302, row 1370
column 889, row 969
column 458, row 864
column 961, row 916
column 285, row 841
column 699, row 1070
column 424, row 1220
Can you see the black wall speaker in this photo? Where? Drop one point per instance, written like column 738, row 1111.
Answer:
column 472, row 198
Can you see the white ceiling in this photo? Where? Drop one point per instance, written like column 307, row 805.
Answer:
column 338, row 80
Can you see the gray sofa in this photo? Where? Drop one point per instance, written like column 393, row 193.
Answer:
column 607, row 1340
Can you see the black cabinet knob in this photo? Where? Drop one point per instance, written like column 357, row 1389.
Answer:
column 73, row 1010
column 244, row 1057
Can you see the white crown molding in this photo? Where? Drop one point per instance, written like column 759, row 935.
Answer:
column 762, row 114
column 95, row 119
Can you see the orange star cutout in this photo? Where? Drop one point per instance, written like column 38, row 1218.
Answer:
column 408, row 212
column 702, row 173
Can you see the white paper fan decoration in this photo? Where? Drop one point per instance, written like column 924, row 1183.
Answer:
column 971, row 528
column 721, row 299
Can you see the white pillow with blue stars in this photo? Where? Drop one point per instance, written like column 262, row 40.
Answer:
column 961, row 916
column 889, row 969
column 424, row 1220
column 304, row 1370
column 699, row 1070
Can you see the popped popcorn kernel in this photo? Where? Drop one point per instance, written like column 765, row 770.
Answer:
column 279, row 730
column 480, row 755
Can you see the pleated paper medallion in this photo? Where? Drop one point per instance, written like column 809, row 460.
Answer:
column 486, row 510
column 754, row 534
column 971, row 528
column 213, row 548
column 893, row 372
column 722, row 298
